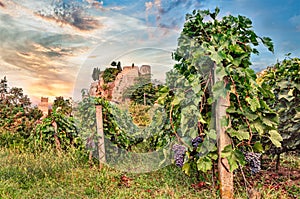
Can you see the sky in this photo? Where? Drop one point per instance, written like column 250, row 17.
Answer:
column 49, row 47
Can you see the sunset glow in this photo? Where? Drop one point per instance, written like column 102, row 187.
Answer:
column 47, row 46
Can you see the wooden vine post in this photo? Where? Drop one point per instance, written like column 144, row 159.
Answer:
column 225, row 176
column 100, row 134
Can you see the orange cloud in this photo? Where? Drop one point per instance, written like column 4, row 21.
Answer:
column 84, row 24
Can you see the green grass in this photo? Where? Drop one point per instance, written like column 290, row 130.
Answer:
column 22, row 175
column 49, row 175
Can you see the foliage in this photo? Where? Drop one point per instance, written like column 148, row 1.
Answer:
column 62, row 105
column 140, row 114
column 143, row 91
column 119, row 128
column 209, row 45
column 115, row 122
column 17, row 117
column 85, row 114
column 110, row 74
column 284, row 80
column 117, row 64
column 3, row 87
column 56, row 130
column 96, row 73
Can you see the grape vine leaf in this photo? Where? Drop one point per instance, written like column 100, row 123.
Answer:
column 259, row 128
column 216, row 56
column 258, row 147
column 186, row 168
column 268, row 43
column 240, row 135
column 275, row 137
column 204, row 164
column 254, row 103
column 220, row 72
column 234, row 157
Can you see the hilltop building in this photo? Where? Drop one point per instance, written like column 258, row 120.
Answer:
column 44, row 106
column 114, row 90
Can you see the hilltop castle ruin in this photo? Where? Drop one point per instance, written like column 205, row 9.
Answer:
column 44, row 106
column 113, row 91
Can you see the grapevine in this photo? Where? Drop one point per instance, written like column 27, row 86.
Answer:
column 223, row 46
column 283, row 80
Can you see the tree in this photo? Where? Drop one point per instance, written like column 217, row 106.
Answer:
column 17, row 117
column 143, row 91
column 110, row 74
column 114, row 63
column 119, row 66
column 62, row 105
column 84, row 93
column 96, row 73
column 3, row 88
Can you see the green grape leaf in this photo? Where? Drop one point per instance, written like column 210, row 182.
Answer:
column 204, row 164
column 240, row 135
column 268, row 122
column 212, row 134
column 200, row 119
column 178, row 99
column 275, row 137
column 220, row 72
column 254, row 103
column 257, row 147
column 268, row 43
column 186, row 168
column 216, row 56
column 234, row 157
column 259, row 128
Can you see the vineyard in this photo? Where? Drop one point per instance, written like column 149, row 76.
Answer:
column 213, row 117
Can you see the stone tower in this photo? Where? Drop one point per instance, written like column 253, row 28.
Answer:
column 145, row 70
column 43, row 106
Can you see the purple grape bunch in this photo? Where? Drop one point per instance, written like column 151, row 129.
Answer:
column 196, row 141
column 179, row 153
column 253, row 159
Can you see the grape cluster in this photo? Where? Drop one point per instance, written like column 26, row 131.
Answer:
column 179, row 153
column 196, row 141
column 253, row 159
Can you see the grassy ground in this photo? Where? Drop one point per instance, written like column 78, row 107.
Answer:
column 50, row 176
column 22, row 175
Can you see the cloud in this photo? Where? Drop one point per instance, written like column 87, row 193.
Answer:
column 149, row 5
column 295, row 20
column 2, row 4
column 39, row 59
column 71, row 14
column 44, row 57
column 169, row 14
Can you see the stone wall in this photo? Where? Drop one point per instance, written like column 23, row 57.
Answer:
column 124, row 79
column 114, row 90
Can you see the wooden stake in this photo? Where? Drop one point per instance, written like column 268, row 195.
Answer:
column 100, row 133
column 225, row 176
